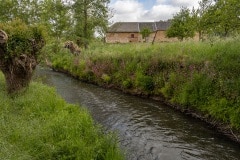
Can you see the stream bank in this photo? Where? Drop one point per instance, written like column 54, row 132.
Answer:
column 147, row 129
column 198, row 79
column 39, row 124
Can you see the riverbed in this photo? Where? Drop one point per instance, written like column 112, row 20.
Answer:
column 147, row 129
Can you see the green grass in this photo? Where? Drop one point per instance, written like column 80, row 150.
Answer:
column 38, row 124
column 200, row 76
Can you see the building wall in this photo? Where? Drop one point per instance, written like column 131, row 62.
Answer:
column 196, row 37
column 137, row 37
column 161, row 37
column 123, row 37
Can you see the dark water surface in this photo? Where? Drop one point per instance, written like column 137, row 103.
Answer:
column 148, row 130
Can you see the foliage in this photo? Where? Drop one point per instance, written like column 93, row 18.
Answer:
column 145, row 32
column 106, row 78
column 182, row 25
column 56, row 16
column 127, row 84
column 64, row 19
column 28, row 11
column 21, row 37
column 89, row 15
column 78, row 20
column 198, row 76
column 222, row 18
column 144, row 82
column 200, row 18
column 212, row 18
column 40, row 125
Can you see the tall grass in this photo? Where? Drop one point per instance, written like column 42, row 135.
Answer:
column 39, row 124
column 200, row 76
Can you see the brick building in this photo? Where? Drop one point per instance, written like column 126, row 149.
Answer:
column 125, row 32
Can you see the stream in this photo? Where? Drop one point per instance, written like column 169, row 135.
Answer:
column 147, row 129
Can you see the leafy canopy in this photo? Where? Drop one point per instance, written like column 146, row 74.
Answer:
column 145, row 32
column 182, row 25
column 22, row 37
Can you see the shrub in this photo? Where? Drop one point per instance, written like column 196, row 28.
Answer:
column 196, row 92
column 127, row 84
column 144, row 82
column 106, row 78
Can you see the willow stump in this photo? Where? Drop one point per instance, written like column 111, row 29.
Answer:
column 18, row 69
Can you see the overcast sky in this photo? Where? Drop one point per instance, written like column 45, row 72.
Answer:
column 147, row 10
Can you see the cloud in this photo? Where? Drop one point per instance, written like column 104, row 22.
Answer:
column 160, row 12
column 165, row 9
column 127, row 10
column 133, row 10
column 178, row 3
column 185, row 3
column 127, row 6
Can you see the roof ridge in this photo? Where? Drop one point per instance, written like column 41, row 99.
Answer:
column 137, row 26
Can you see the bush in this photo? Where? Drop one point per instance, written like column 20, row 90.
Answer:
column 127, row 84
column 196, row 92
column 106, row 78
column 144, row 82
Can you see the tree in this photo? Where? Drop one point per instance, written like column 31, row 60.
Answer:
column 56, row 16
column 226, row 17
column 145, row 32
column 221, row 18
column 198, row 16
column 20, row 46
column 89, row 15
column 28, row 10
column 182, row 25
column 6, row 10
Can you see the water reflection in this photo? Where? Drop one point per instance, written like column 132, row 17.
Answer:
column 148, row 130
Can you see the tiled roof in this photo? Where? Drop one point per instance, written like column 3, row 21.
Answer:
column 150, row 25
column 124, row 27
column 162, row 25
column 138, row 26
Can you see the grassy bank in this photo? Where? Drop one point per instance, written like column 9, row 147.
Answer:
column 199, row 77
column 39, row 125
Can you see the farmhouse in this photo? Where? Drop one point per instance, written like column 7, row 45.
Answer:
column 125, row 32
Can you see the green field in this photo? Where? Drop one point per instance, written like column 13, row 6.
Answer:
column 38, row 124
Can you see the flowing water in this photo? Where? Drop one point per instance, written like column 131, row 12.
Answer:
column 148, row 130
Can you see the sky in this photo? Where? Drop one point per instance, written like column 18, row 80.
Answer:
column 147, row 10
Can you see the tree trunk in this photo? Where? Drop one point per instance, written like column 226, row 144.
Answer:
column 154, row 37
column 18, row 71
column 85, row 24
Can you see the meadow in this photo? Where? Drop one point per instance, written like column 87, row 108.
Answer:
column 38, row 124
column 200, row 77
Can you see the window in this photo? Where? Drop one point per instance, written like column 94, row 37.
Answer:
column 132, row 35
